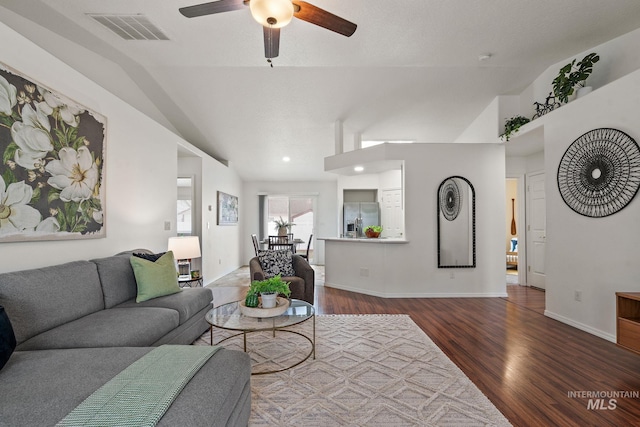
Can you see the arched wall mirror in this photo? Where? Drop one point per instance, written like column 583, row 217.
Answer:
column 456, row 223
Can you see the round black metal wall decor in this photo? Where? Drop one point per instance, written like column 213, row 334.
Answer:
column 450, row 199
column 599, row 174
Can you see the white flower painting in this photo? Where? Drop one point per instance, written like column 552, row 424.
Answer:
column 51, row 176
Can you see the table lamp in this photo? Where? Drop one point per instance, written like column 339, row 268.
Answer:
column 184, row 249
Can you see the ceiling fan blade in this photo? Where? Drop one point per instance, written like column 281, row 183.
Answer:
column 315, row 15
column 212, row 7
column 271, row 42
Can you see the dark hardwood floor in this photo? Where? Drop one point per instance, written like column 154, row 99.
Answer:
column 524, row 362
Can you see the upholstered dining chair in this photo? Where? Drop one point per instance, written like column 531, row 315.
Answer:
column 306, row 256
column 256, row 245
column 281, row 242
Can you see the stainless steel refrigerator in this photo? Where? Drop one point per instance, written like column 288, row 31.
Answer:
column 357, row 216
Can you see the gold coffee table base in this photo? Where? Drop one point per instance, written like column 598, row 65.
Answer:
column 231, row 318
column 244, row 338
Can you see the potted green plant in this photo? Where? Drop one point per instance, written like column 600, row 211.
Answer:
column 269, row 289
column 282, row 226
column 573, row 75
column 372, row 231
column 512, row 126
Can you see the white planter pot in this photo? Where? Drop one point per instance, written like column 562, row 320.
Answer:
column 583, row 91
column 269, row 300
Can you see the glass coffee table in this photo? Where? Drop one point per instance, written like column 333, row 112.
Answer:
column 229, row 317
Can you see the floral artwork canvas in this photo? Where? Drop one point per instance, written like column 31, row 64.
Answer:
column 227, row 209
column 51, row 176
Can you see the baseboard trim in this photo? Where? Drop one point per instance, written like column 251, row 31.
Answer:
column 416, row 294
column 581, row 326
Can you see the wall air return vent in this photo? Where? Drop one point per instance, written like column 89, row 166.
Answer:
column 130, row 27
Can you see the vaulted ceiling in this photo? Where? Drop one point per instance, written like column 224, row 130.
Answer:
column 410, row 71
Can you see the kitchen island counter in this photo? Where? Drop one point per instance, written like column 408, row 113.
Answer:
column 382, row 240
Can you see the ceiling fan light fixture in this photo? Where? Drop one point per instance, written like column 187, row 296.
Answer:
column 272, row 13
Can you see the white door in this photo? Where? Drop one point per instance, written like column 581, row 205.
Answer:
column 536, row 230
column 392, row 216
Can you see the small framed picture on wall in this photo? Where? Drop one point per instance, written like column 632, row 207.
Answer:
column 227, row 209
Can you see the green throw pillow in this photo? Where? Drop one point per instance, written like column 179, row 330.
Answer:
column 155, row 279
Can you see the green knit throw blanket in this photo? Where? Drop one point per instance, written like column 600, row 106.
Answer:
column 142, row 393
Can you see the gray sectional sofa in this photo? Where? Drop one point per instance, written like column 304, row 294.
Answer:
column 77, row 325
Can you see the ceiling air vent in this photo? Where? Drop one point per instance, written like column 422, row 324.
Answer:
column 130, row 27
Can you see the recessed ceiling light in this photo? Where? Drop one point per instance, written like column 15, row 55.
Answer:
column 358, row 168
column 286, row 159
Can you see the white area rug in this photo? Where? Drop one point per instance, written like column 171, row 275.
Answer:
column 512, row 279
column 370, row 370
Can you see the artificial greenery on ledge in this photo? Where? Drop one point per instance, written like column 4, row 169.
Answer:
column 512, row 126
column 572, row 76
column 569, row 78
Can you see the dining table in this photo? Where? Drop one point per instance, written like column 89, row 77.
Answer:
column 265, row 243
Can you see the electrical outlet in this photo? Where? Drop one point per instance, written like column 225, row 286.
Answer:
column 364, row 272
column 577, row 295
column 167, row 225
column 452, row 275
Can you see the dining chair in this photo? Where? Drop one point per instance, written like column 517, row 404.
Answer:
column 256, row 245
column 281, row 242
column 306, row 256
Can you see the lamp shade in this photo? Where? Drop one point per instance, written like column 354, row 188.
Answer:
column 272, row 13
column 185, row 247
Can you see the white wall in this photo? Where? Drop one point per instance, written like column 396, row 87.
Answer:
column 410, row 269
column 221, row 244
column 326, row 215
column 390, row 180
column 490, row 123
column 598, row 256
column 485, row 128
column 595, row 256
column 140, row 174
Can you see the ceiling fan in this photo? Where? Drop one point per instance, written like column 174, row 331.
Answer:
column 273, row 15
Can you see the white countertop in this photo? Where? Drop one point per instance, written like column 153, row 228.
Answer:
column 379, row 240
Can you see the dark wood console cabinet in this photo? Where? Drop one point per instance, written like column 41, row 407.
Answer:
column 628, row 320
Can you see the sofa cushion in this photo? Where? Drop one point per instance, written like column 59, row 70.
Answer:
column 213, row 397
column 41, row 299
column 187, row 303
column 155, row 279
column 115, row 327
column 7, row 338
column 274, row 262
column 148, row 257
column 117, row 279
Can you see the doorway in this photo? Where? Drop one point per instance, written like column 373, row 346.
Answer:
column 298, row 210
column 536, row 230
column 513, row 260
